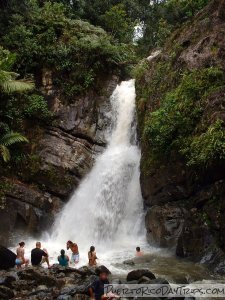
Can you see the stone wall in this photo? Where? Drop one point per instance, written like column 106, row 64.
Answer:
column 66, row 152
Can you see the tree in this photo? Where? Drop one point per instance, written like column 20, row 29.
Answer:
column 9, row 84
column 117, row 22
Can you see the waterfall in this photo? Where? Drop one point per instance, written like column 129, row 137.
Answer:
column 107, row 206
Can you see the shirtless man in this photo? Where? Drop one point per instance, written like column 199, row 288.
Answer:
column 75, row 253
column 139, row 252
column 20, row 259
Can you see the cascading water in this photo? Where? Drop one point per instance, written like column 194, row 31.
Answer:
column 106, row 210
column 107, row 207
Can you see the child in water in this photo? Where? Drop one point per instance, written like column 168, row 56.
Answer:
column 63, row 259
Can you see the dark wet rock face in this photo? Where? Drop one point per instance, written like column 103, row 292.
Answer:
column 65, row 153
column 61, row 283
column 46, row 284
column 138, row 274
column 185, row 204
column 164, row 224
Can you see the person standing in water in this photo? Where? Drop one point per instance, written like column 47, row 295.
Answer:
column 63, row 259
column 92, row 257
column 138, row 252
column 45, row 259
column 75, row 252
column 20, row 259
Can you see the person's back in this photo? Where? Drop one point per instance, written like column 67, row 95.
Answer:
column 139, row 252
column 20, row 258
column 63, row 259
column 37, row 254
column 20, row 253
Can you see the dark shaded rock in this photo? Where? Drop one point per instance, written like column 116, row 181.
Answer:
column 40, row 276
column 65, row 152
column 169, row 183
column 129, row 262
column 65, row 297
column 137, row 274
column 26, row 209
column 41, row 291
column 164, row 224
column 6, row 293
column 168, row 180
column 144, row 279
column 7, row 280
column 159, row 281
column 80, row 288
column 81, row 297
column 7, row 258
column 85, row 270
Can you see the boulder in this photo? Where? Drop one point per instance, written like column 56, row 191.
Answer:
column 159, row 281
column 65, row 297
column 6, row 293
column 137, row 274
column 7, row 280
column 40, row 276
column 25, row 209
column 129, row 262
column 7, row 258
column 144, row 279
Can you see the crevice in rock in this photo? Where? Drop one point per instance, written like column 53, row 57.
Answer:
column 79, row 135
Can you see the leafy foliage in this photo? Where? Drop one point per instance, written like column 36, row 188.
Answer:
column 36, row 107
column 8, row 79
column 45, row 36
column 163, row 17
column 117, row 22
column 206, row 148
column 171, row 127
column 8, row 139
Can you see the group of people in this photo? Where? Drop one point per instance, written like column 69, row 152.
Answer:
column 40, row 256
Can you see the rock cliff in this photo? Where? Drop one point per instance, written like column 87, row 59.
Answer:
column 178, row 110
column 65, row 152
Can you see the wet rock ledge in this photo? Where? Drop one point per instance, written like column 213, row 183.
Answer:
column 61, row 283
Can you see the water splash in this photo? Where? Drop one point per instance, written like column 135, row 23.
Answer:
column 108, row 205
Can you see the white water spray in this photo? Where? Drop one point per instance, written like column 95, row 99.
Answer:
column 107, row 207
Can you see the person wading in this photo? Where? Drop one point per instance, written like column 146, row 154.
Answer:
column 75, row 252
column 92, row 257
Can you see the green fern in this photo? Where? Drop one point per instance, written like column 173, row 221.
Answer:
column 9, row 139
column 9, row 83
